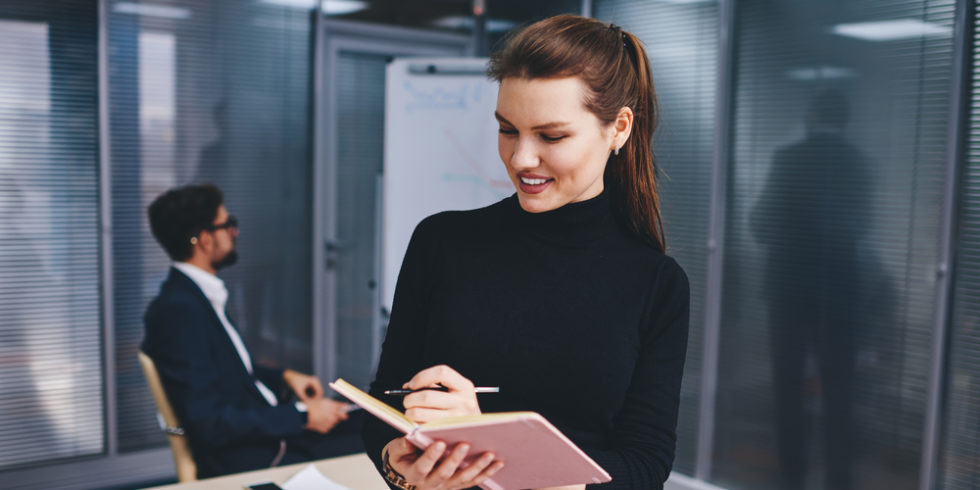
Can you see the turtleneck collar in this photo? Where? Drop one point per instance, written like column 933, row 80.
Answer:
column 575, row 224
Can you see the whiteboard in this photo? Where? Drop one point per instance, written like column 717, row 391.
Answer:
column 440, row 149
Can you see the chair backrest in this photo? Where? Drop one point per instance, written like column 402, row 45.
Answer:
column 183, row 460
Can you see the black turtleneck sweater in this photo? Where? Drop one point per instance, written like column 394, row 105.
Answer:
column 566, row 311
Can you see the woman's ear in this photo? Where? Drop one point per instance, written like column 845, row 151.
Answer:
column 622, row 127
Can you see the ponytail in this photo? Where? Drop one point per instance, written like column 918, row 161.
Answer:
column 632, row 174
column 614, row 65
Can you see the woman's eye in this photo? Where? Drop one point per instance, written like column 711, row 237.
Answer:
column 507, row 131
column 552, row 139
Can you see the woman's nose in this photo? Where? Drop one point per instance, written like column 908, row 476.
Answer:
column 525, row 156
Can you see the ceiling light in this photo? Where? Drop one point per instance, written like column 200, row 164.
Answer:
column 329, row 7
column 891, row 30
column 820, row 73
column 466, row 23
column 341, row 7
column 151, row 10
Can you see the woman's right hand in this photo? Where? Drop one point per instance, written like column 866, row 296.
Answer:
column 438, row 468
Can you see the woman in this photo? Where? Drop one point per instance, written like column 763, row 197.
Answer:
column 561, row 295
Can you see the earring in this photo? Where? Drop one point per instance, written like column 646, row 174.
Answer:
column 193, row 240
column 616, row 151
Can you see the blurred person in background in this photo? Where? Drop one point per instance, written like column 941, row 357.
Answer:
column 238, row 416
column 812, row 216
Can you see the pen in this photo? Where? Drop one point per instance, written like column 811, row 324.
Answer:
column 478, row 389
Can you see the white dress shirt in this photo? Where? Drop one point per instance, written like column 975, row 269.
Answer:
column 214, row 289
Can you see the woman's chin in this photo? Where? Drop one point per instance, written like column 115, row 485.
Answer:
column 536, row 203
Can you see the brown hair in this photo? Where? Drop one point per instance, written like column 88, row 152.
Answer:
column 614, row 65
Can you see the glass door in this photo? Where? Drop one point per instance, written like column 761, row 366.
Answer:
column 351, row 320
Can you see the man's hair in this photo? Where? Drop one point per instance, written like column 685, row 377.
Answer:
column 180, row 214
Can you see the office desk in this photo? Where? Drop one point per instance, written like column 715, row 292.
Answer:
column 355, row 472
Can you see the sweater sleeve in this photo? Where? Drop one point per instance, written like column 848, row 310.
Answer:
column 402, row 352
column 641, row 452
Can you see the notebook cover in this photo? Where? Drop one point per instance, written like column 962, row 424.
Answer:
column 534, row 452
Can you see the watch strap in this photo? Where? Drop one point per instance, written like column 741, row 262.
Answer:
column 393, row 477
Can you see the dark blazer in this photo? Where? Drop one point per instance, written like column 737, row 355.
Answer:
column 230, row 426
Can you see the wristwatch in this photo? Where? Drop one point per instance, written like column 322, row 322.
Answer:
column 394, row 477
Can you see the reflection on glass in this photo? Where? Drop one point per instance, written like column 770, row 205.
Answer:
column 812, row 217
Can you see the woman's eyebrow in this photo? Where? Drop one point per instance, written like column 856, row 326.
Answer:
column 550, row 125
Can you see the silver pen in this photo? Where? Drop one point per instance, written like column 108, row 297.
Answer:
column 478, row 389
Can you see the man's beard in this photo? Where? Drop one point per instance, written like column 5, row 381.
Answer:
column 229, row 259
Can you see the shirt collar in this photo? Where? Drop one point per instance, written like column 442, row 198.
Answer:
column 211, row 285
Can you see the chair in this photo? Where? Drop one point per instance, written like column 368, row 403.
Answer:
column 183, row 461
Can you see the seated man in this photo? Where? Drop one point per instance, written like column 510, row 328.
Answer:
column 227, row 405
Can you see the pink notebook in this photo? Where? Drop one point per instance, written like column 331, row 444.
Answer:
column 534, row 452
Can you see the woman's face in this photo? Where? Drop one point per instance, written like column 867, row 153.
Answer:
column 555, row 150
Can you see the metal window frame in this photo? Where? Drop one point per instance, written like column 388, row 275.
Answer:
column 154, row 465
column 725, row 103
column 105, row 229
column 683, row 482
column 957, row 132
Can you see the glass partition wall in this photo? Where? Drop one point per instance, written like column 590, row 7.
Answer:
column 835, row 193
column 682, row 43
column 50, row 321
column 213, row 92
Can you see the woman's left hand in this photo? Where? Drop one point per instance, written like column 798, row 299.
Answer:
column 427, row 405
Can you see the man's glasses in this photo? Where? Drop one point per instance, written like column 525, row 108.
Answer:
column 231, row 222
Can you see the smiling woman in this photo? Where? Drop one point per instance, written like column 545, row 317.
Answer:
column 555, row 151
column 563, row 285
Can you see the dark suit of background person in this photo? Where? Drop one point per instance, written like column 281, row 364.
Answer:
column 812, row 216
column 231, row 424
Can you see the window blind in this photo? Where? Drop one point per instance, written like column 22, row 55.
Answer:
column 682, row 43
column 50, row 330
column 961, row 437
column 212, row 92
column 835, row 202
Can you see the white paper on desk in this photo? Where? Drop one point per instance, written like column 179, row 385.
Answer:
column 309, row 478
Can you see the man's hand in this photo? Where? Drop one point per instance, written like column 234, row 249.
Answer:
column 323, row 414
column 306, row 387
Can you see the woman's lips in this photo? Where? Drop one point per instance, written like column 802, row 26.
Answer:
column 533, row 184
